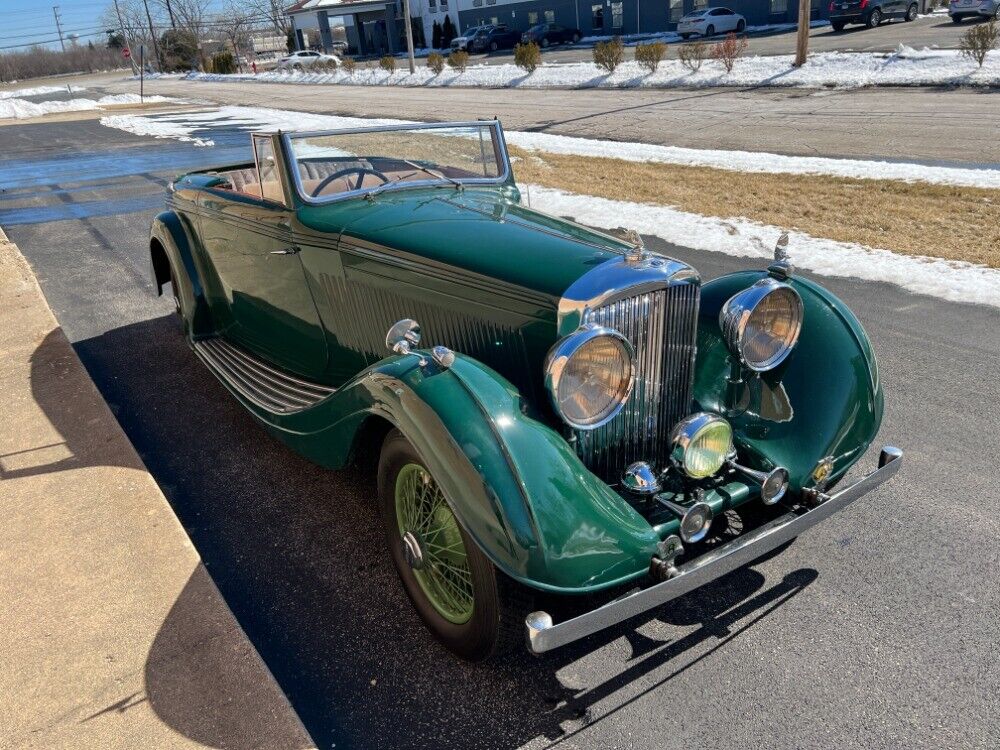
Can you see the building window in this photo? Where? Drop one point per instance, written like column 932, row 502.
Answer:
column 616, row 16
column 432, row 4
column 550, row 16
column 597, row 17
column 700, row 4
column 676, row 10
column 494, row 21
column 491, row 2
column 779, row 7
column 477, row 3
column 532, row 18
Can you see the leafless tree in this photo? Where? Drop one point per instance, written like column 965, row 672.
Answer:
column 235, row 24
column 190, row 15
column 33, row 62
column 274, row 12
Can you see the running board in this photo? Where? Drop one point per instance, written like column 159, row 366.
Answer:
column 258, row 382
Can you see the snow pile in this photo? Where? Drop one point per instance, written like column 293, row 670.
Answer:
column 904, row 67
column 40, row 91
column 21, row 109
column 951, row 280
column 671, row 37
column 183, row 125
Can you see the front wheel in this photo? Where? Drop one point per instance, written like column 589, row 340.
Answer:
column 740, row 26
column 710, row 31
column 494, row 46
column 874, row 18
column 956, row 19
column 685, row 36
column 466, row 603
column 545, row 42
column 576, row 38
column 911, row 13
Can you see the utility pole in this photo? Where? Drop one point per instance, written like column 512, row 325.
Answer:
column 170, row 12
column 55, row 12
column 802, row 41
column 409, row 34
column 128, row 42
column 152, row 33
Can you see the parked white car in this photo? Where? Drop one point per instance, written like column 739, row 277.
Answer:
column 959, row 9
column 710, row 21
column 304, row 59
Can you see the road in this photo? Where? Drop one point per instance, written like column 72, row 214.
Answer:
column 880, row 628
column 935, row 31
column 931, row 125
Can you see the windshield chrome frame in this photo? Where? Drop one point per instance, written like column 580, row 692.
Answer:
column 292, row 167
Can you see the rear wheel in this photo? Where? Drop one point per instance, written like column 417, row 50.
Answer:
column 874, row 18
column 576, row 38
column 685, row 36
column 740, row 26
column 468, row 605
column 911, row 13
column 956, row 19
column 545, row 41
column 494, row 46
column 838, row 26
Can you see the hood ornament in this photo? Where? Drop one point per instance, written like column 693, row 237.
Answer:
column 637, row 252
column 782, row 267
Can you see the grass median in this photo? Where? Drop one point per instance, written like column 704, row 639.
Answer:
column 955, row 223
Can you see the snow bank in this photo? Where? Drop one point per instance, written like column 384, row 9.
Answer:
column 183, row 125
column 904, row 67
column 21, row 109
column 951, row 280
column 40, row 91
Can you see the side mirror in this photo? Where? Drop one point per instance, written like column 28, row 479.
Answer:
column 403, row 336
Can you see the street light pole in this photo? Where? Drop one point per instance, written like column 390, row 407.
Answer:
column 802, row 41
column 409, row 34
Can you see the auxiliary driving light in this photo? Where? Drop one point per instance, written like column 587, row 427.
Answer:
column 701, row 443
column 696, row 520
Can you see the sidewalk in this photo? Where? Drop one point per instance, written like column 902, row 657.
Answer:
column 114, row 635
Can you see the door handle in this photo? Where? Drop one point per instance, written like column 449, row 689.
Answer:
column 286, row 250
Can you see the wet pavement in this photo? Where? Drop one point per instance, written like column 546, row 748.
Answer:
column 877, row 629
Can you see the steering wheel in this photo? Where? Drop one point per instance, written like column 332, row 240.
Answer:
column 359, row 171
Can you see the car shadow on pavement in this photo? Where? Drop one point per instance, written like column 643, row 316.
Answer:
column 299, row 555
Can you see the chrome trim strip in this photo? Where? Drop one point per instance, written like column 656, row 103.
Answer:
column 259, row 383
column 543, row 635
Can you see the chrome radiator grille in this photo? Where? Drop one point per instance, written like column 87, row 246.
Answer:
column 661, row 325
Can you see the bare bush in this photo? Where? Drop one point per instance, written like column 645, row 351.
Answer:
column 458, row 60
column 223, row 62
column 348, row 65
column 42, row 61
column 650, row 55
column 729, row 50
column 435, row 61
column 692, row 55
column 979, row 40
column 609, row 55
column 527, row 57
column 388, row 64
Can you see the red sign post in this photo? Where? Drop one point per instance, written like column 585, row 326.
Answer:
column 126, row 53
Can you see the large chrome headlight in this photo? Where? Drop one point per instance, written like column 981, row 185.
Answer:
column 701, row 443
column 589, row 375
column 761, row 324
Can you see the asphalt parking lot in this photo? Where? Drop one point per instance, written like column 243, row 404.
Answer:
column 879, row 628
column 935, row 31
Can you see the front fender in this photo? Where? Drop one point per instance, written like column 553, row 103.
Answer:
column 824, row 401
column 171, row 232
column 516, row 485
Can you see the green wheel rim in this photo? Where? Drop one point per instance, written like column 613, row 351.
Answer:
column 444, row 575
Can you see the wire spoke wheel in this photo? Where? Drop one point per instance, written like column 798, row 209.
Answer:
column 443, row 572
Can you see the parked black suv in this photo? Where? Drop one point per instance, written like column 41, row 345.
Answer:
column 545, row 34
column 498, row 37
column 869, row 12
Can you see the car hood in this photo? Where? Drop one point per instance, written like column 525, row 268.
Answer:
column 487, row 232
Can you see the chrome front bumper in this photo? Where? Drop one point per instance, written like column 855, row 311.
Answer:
column 543, row 635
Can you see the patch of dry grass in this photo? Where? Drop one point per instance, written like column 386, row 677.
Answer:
column 957, row 223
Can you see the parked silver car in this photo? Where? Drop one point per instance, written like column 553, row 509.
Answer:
column 959, row 9
column 711, row 21
column 305, row 59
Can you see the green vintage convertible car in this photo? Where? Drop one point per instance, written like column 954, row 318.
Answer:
column 548, row 408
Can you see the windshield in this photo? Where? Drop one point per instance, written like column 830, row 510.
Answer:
column 337, row 164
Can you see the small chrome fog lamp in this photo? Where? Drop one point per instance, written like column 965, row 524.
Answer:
column 641, row 479
column 701, row 443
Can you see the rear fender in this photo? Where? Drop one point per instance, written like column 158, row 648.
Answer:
column 824, row 401
column 171, row 246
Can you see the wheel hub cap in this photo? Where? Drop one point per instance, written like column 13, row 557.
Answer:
column 412, row 550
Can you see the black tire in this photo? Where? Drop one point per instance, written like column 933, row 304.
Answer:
column 576, row 38
column 685, row 36
column 956, row 19
column 710, row 31
column 545, row 41
column 838, row 26
column 500, row 604
column 494, row 46
column 874, row 18
column 740, row 26
column 911, row 13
